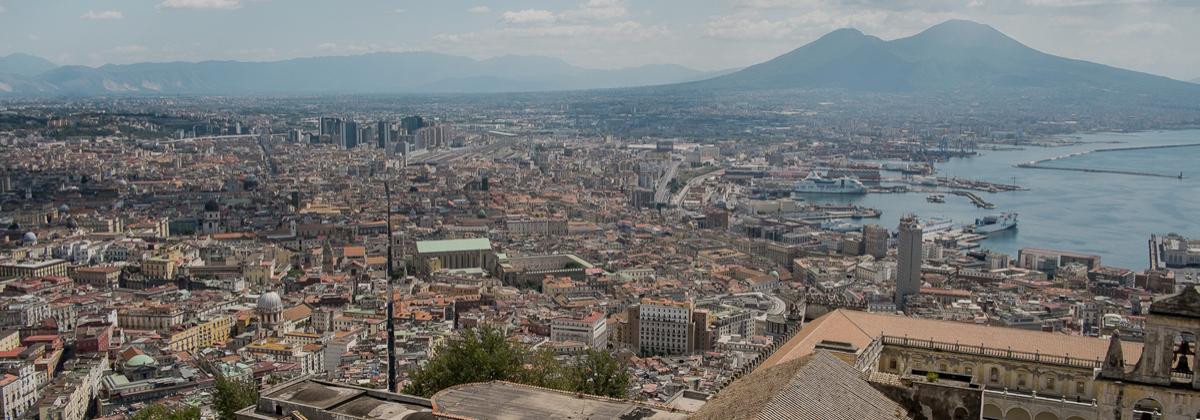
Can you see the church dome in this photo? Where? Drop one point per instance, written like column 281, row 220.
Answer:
column 140, row 360
column 212, row 205
column 270, row 302
column 29, row 238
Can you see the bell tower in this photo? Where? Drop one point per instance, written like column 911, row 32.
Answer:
column 1168, row 355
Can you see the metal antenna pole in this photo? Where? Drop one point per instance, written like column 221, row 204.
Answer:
column 391, row 321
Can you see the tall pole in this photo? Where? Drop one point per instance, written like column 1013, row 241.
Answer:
column 391, row 321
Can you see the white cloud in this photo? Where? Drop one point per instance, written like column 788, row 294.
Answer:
column 597, row 10
column 201, row 4
column 102, row 15
column 592, row 10
column 617, row 31
column 479, row 9
column 528, row 16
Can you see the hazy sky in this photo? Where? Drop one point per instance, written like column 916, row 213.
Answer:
column 1157, row 36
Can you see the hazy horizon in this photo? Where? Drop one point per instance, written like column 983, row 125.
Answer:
column 1142, row 35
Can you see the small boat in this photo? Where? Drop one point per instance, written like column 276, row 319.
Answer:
column 936, row 198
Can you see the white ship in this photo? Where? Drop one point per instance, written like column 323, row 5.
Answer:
column 815, row 184
column 935, row 225
column 995, row 223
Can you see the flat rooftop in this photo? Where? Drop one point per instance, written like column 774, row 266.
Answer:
column 453, row 245
column 338, row 401
column 508, row 401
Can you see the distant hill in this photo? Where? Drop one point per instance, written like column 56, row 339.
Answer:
column 408, row 72
column 24, row 65
column 954, row 56
column 1196, row 80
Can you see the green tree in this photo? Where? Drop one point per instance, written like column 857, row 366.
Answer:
column 162, row 412
column 477, row 355
column 233, row 395
column 597, row 372
column 542, row 369
column 484, row 354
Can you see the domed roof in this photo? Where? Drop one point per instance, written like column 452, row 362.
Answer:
column 30, row 237
column 141, row 360
column 212, row 205
column 270, row 302
column 64, row 208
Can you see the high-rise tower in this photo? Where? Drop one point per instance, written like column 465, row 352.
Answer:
column 908, row 270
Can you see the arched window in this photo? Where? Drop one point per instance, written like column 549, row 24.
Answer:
column 994, row 376
column 1147, row 409
column 1050, row 383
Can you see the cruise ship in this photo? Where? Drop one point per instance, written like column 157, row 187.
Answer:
column 815, row 184
column 995, row 223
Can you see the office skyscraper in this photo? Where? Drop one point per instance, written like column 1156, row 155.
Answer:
column 908, row 270
column 383, row 133
column 412, row 124
column 349, row 134
column 329, row 126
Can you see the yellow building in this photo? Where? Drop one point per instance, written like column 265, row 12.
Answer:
column 159, row 268
column 192, row 337
column 9, row 340
column 34, row 269
column 101, row 277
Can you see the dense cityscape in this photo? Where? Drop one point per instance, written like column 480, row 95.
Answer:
column 726, row 248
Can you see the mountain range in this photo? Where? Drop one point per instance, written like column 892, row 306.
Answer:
column 954, row 56
column 392, row 72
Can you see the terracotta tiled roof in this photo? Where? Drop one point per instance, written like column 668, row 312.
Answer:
column 297, row 312
column 860, row 328
column 817, row 386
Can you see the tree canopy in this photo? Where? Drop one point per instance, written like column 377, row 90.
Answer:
column 484, row 354
column 162, row 412
column 233, row 395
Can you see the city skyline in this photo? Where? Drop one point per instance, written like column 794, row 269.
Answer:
column 710, row 35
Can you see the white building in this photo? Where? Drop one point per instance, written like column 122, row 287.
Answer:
column 664, row 327
column 20, row 390
column 591, row 330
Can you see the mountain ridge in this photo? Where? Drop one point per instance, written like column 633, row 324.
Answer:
column 389, row 72
column 22, row 64
column 956, row 55
column 953, row 56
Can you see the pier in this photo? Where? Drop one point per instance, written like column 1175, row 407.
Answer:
column 1037, row 164
column 975, row 199
column 1165, row 146
column 1034, row 165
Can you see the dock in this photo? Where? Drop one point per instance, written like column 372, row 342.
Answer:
column 1037, row 164
column 1165, row 146
column 975, row 199
column 1033, row 165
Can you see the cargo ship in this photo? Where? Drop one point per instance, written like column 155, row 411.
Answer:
column 995, row 223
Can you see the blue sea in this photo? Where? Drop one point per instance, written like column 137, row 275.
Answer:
column 1111, row 215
